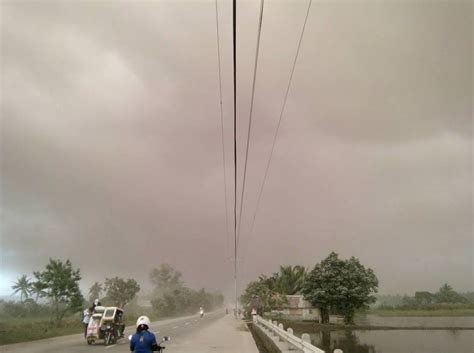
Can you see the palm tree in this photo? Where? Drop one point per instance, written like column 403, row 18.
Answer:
column 22, row 285
column 269, row 282
column 290, row 279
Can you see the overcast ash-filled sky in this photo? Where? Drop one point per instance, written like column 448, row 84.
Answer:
column 111, row 139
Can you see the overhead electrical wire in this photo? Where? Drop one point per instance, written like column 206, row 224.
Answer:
column 279, row 120
column 250, row 118
column 222, row 131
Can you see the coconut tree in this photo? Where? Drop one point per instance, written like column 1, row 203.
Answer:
column 22, row 286
column 290, row 279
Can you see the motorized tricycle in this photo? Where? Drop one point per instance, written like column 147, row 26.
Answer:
column 105, row 324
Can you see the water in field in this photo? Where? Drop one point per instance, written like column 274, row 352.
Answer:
column 433, row 321
column 400, row 341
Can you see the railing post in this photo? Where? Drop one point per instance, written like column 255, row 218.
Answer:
column 263, row 321
column 292, row 342
column 305, row 337
column 280, row 326
column 274, row 332
column 264, row 326
column 289, row 345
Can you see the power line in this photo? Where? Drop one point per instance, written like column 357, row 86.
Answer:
column 222, row 131
column 279, row 120
column 250, row 116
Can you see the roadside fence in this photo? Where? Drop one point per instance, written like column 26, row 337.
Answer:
column 302, row 344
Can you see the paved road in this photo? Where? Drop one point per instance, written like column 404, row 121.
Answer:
column 183, row 332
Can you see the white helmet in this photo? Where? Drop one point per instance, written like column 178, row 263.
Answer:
column 143, row 320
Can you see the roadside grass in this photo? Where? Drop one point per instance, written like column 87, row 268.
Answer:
column 15, row 330
column 422, row 313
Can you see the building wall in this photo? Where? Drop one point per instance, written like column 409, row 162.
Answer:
column 299, row 309
column 302, row 314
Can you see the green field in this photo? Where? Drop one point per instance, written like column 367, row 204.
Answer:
column 24, row 329
column 422, row 313
column 15, row 330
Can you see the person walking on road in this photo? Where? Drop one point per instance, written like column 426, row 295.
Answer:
column 143, row 341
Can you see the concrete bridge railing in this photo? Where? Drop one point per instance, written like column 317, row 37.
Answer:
column 293, row 342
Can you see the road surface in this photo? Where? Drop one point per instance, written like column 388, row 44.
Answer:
column 188, row 334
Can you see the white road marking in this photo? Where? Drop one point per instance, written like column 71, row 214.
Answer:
column 186, row 323
column 175, row 327
column 110, row 346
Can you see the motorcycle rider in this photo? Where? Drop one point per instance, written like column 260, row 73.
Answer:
column 201, row 311
column 143, row 341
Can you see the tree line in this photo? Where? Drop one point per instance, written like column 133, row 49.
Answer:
column 171, row 297
column 58, row 285
column 335, row 286
column 445, row 297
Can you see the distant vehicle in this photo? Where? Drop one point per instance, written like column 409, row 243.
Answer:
column 105, row 324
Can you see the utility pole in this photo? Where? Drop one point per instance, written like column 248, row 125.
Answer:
column 235, row 285
column 234, row 6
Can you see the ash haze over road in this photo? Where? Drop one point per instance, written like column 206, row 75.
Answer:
column 111, row 146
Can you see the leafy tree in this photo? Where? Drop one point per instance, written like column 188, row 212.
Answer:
column 272, row 290
column 94, row 291
column 183, row 300
column 165, row 277
column 61, row 286
column 341, row 286
column 260, row 291
column 27, row 309
column 447, row 294
column 120, row 291
column 269, row 292
column 388, row 301
column 409, row 302
column 22, row 285
column 38, row 289
column 424, row 298
column 172, row 297
column 469, row 296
